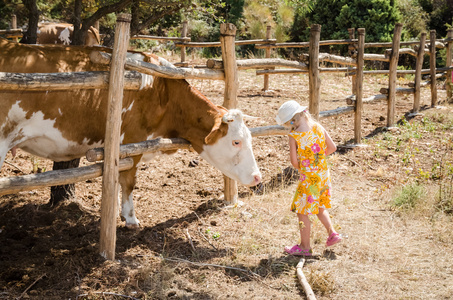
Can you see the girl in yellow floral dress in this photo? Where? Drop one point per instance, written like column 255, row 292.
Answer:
column 309, row 144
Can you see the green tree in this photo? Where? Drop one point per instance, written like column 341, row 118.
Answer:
column 440, row 15
column 378, row 17
column 258, row 14
column 414, row 18
column 146, row 14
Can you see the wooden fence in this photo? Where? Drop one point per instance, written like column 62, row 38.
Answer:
column 13, row 33
column 215, row 70
column 353, row 66
column 112, row 153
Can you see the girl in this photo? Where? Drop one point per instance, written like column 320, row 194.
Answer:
column 309, row 144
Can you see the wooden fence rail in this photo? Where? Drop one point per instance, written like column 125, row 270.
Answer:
column 65, row 81
column 162, row 71
column 15, row 184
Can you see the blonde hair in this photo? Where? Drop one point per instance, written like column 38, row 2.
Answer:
column 306, row 115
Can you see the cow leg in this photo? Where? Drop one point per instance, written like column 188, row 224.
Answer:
column 2, row 156
column 4, row 148
column 127, row 181
column 63, row 192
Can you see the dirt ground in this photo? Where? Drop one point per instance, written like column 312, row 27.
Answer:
column 191, row 246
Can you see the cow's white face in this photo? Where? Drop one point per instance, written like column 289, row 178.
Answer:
column 232, row 154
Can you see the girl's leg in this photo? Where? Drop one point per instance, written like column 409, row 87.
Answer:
column 324, row 217
column 304, row 227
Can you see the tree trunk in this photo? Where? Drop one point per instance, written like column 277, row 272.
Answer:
column 31, row 35
column 63, row 192
column 78, row 35
column 135, row 21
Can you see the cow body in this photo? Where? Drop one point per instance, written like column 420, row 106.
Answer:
column 61, row 33
column 63, row 125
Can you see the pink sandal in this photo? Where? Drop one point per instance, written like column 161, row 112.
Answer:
column 333, row 239
column 296, row 250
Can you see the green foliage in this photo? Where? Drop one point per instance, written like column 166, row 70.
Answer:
column 200, row 30
column 256, row 17
column 142, row 45
column 444, row 173
column 409, row 196
column 233, row 10
column 414, row 18
column 441, row 16
column 445, row 195
column 214, row 235
column 258, row 14
column 302, row 6
column 378, row 17
column 9, row 8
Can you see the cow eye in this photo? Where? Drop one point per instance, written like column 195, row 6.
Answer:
column 237, row 143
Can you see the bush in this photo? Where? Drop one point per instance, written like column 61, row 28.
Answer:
column 409, row 196
column 378, row 17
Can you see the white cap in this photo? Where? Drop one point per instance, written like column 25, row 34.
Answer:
column 287, row 111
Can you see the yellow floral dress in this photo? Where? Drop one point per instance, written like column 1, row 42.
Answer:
column 313, row 190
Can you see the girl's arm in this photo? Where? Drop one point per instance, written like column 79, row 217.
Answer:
column 331, row 147
column 293, row 152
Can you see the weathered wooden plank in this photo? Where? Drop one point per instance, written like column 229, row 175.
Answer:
column 398, row 91
column 418, row 73
column 432, row 67
column 268, row 56
column 306, row 44
column 227, row 38
column 161, row 71
column 243, row 64
column 217, row 44
column 392, row 74
column 110, row 179
column 314, row 81
column 65, row 81
column 342, row 60
column 160, row 38
column 16, row 184
column 359, row 87
column 133, row 149
column 351, row 99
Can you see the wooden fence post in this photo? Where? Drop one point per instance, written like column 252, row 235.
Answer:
column 268, row 55
column 14, row 26
column 359, row 87
column 418, row 72
column 432, row 66
column 448, row 64
column 183, row 34
column 109, row 204
column 392, row 74
column 314, row 81
column 227, row 42
column 352, row 49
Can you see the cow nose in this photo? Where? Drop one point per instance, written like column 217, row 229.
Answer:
column 257, row 179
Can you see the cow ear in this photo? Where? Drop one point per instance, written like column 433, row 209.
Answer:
column 222, row 108
column 218, row 130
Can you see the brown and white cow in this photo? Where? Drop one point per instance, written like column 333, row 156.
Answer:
column 61, row 33
column 63, row 125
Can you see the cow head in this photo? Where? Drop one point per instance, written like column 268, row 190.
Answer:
column 229, row 148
